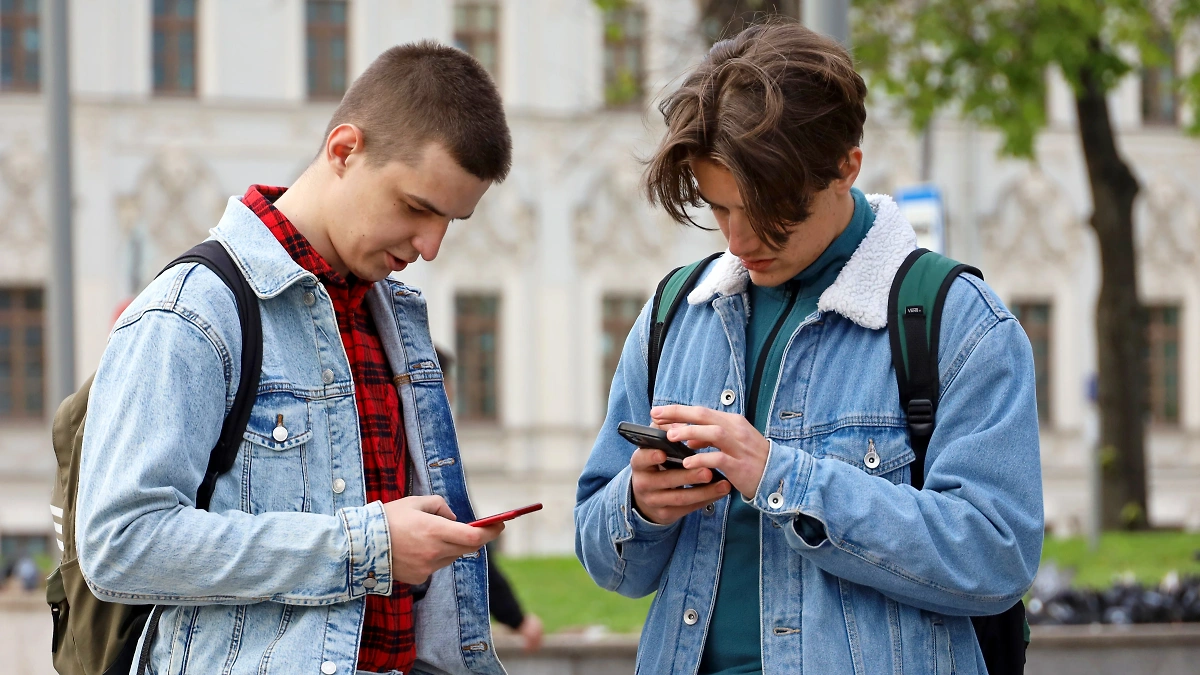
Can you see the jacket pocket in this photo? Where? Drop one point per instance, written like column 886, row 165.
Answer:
column 877, row 450
column 276, row 462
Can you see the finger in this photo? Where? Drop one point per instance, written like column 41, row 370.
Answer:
column 645, row 458
column 712, row 460
column 690, row 499
column 468, row 537
column 433, row 504
column 700, row 435
column 686, row 414
column 672, row 479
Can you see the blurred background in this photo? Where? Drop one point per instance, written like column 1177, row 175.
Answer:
column 997, row 125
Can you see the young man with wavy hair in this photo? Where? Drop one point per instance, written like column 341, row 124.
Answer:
column 816, row 555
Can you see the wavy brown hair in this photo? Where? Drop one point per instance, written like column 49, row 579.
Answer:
column 778, row 105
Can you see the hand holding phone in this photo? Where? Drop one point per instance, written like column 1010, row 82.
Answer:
column 656, row 439
column 507, row 515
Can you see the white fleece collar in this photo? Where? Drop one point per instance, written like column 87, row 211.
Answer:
column 860, row 292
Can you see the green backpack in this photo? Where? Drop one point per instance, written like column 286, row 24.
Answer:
column 92, row 636
column 915, row 304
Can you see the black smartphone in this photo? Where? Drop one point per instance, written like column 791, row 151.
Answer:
column 648, row 437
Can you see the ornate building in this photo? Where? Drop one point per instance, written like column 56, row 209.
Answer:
column 179, row 104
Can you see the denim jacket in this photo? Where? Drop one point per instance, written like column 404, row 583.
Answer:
column 889, row 584
column 273, row 577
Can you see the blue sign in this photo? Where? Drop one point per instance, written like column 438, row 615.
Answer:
column 922, row 206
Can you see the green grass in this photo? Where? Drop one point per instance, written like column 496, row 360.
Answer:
column 560, row 592
column 1148, row 555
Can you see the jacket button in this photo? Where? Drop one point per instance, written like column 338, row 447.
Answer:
column 709, row 509
column 310, row 298
column 370, row 582
column 327, row 376
column 690, row 617
column 280, row 434
column 775, row 500
column 329, row 668
column 339, row 486
column 728, row 397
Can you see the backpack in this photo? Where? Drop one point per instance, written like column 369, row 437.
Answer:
column 91, row 636
column 915, row 303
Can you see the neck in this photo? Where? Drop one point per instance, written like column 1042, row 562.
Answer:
column 308, row 217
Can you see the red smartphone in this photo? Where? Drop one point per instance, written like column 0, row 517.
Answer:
column 507, row 515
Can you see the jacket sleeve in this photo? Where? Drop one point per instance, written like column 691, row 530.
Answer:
column 969, row 542
column 154, row 414
column 621, row 550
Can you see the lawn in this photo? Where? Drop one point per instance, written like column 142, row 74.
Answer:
column 561, row 593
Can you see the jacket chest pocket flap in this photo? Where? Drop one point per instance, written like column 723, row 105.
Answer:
column 877, row 450
column 276, row 461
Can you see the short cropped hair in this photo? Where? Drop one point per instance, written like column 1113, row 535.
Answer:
column 778, row 105
column 420, row 92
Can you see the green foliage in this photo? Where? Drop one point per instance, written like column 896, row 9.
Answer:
column 624, row 90
column 989, row 58
column 1148, row 556
column 560, row 592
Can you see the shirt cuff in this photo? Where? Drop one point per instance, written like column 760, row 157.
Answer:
column 370, row 549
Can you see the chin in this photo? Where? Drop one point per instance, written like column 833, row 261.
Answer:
column 766, row 279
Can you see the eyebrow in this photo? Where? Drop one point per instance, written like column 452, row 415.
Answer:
column 424, row 203
column 712, row 203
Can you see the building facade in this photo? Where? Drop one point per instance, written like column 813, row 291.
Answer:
column 179, row 104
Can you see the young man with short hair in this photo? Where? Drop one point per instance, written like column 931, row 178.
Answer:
column 332, row 545
column 817, row 555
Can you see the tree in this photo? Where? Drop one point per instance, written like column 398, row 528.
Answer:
column 989, row 60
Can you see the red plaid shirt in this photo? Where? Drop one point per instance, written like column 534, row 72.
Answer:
column 388, row 642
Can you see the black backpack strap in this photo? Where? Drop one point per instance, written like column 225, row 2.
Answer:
column 667, row 297
column 915, row 304
column 213, row 255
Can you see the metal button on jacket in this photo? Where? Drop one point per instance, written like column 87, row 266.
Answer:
column 871, row 460
column 310, row 298
column 775, row 500
column 280, row 433
column 690, row 617
column 728, row 397
column 339, row 486
column 370, row 582
column 709, row 509
column 327, row 376
column 329, row 668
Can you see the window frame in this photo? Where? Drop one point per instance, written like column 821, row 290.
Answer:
column 172, row 25
column 470, row 404
column 1158, row 334
column 1044, row 369
column 469, row 38
column 19, row 22
column 319, row 69
column 611, row 329
column 616, row 43
column 18, row 317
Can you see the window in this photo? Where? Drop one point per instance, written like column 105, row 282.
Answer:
column 477, row 327
column 22, row 357
column 477, row 32
column 720, row 19
column 1162, row 364
column 619, row 313
column 1035, row 319
column 1160, row 103
column 19, row 45
column 624, row 69
column 326, row 48
column 175, row 47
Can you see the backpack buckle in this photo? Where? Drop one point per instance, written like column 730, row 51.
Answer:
column 920, row 417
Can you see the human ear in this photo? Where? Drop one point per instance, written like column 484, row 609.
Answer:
column 343, row 141
column 850, row 166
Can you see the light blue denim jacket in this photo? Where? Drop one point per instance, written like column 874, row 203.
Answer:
column 271, row 578
column 891, row 585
